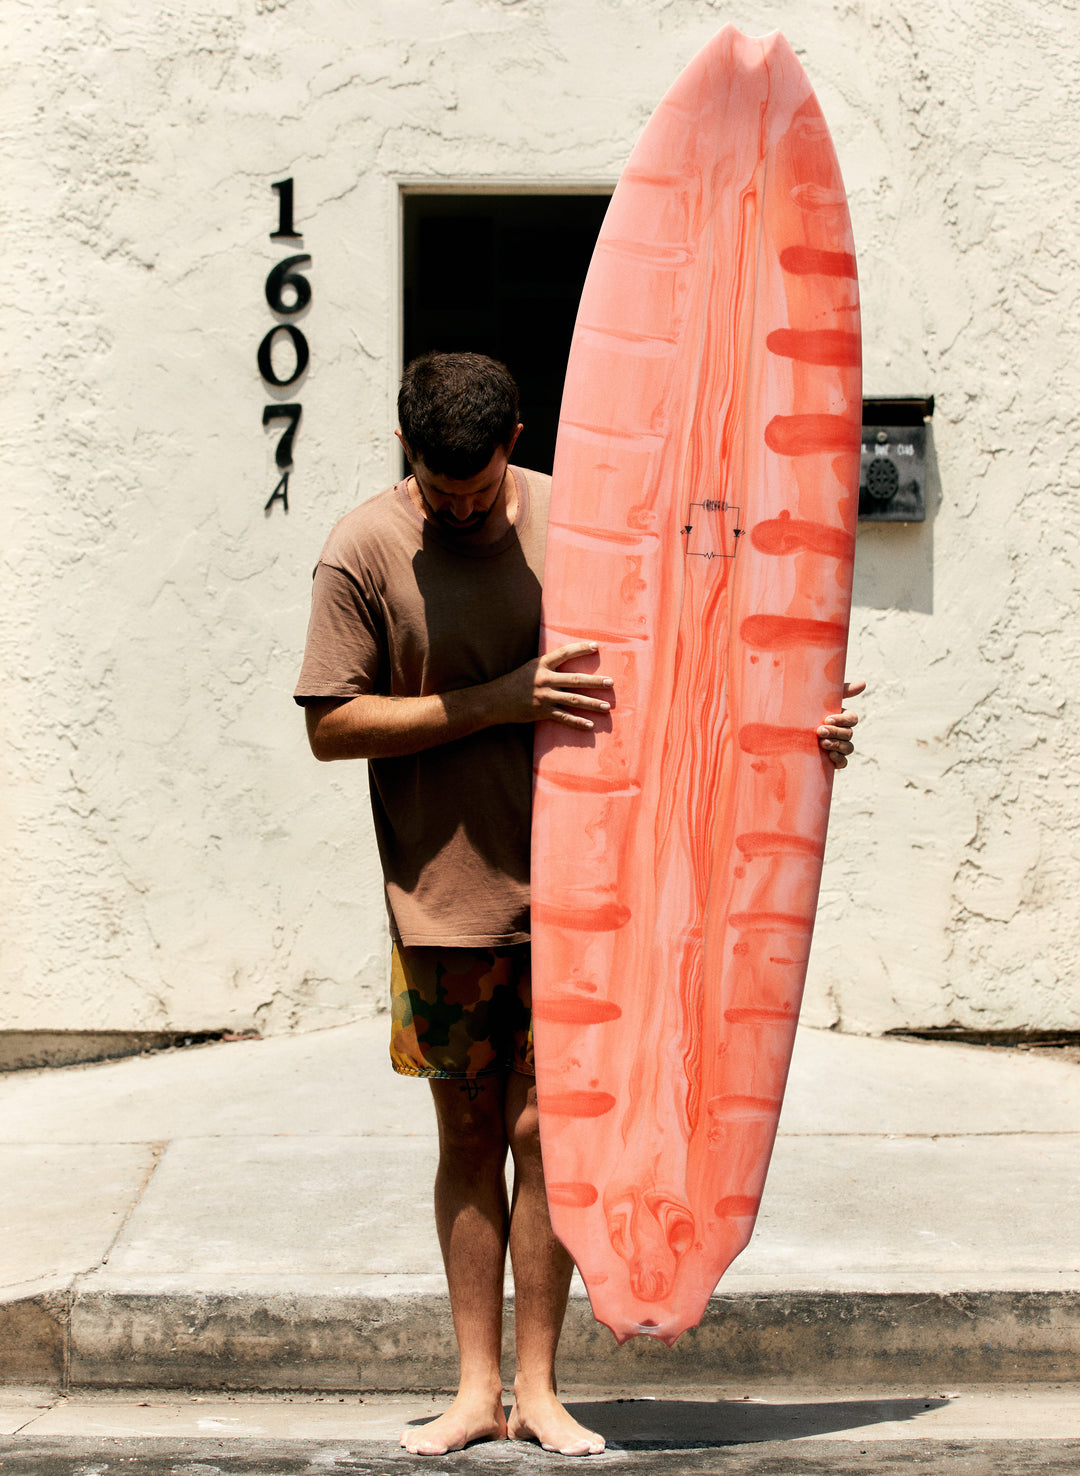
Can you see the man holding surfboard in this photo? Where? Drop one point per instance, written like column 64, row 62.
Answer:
column 421, row 658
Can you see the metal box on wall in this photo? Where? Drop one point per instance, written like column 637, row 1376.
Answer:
column 892, row 472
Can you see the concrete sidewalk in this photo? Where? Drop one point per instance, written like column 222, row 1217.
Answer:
column 257, row 1215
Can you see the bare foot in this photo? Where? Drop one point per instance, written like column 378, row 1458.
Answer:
column 468, row 1418
column 542, row 1418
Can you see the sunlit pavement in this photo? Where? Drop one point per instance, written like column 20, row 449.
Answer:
column 1008, row 1429
column 257, row 1216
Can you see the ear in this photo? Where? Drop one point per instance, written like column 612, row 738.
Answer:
column 511, row 444
column 408, row 453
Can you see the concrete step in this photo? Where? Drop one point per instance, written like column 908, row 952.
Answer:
column 396, row 1334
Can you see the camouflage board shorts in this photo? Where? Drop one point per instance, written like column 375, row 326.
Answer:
column 461, row 1012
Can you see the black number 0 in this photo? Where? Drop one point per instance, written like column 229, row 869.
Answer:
column 266, row 365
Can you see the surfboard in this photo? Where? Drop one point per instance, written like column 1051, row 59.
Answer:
column 702, row 528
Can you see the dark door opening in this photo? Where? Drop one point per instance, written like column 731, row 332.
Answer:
column 502, row 275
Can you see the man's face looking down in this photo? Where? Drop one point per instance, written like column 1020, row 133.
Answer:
column 463, row 506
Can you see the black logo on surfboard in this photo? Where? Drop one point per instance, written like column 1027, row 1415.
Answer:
column 711, row 537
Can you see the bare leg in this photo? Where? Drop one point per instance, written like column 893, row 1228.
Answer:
column 471, row 1218
column 542, row 1271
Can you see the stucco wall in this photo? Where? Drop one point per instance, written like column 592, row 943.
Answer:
column 173, row 858
column 954, row 861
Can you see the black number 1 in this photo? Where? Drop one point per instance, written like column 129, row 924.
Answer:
column 285, row 220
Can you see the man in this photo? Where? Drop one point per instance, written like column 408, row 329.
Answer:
column 421, row 657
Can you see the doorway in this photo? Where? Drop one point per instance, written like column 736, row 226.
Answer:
column 501, row 275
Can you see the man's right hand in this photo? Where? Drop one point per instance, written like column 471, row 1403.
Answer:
column 539, row 690
column 371, row 726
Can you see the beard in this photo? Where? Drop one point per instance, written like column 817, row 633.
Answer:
column 445, row 518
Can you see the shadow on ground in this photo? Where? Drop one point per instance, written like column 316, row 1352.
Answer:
column 671, row 1424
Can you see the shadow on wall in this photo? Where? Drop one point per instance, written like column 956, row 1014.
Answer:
column 894, row 562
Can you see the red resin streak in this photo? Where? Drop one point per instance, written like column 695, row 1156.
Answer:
column 574, row 1196
column 806, row 261
column 570, row 1009
column 816, row 346
column 808, row 435
column 785, row 535
column 788, row 633
column 576, row 1104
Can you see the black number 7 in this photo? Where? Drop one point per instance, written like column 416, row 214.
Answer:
column 291, row 413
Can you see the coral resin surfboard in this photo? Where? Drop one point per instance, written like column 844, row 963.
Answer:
column 702, row 532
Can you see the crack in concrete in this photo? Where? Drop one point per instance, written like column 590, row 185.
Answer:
column 157, row 1149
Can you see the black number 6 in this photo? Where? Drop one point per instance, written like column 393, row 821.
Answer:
column 283, row 276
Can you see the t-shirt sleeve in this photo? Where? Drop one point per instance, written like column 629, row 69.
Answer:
column 344, row 655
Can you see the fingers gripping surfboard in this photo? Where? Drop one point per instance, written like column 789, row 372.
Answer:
column 702, row 532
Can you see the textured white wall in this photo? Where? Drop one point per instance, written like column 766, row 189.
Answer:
column 954, row 864
column 173, row 859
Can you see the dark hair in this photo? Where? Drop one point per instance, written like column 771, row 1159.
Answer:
column 456, row 410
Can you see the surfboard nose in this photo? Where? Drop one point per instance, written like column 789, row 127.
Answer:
column 667, row 1327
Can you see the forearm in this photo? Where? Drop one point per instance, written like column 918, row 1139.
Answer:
column 391, row 727
column 371, row 726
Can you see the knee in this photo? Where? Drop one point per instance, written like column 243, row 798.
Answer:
column 468, row 1137
column 472, row 1136
column 523, row 1132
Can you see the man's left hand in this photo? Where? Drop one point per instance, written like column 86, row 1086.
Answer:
column 835, row 734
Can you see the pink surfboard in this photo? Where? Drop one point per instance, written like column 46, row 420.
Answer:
column 702, row 531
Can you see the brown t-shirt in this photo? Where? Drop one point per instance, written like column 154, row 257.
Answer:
column 402, row 609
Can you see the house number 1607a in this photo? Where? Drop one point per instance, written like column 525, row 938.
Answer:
column 288, row 292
